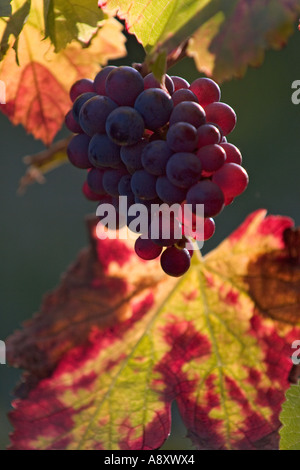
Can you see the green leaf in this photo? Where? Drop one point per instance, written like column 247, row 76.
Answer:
column 75, row 19
column 161, row 23
column 14, row 26
column 290, row 418
column 5, row 8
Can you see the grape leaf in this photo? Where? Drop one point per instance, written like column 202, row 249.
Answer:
column 162, row 23
column 37, row 91
column 66, row 21
column 290, row 418
column 5, row 8
column 14, row 26
column 229, row 41
column 118, row 341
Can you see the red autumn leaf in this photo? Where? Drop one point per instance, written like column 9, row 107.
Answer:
column 37, row 90
column 118, row 341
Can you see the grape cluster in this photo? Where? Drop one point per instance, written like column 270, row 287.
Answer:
column 156, row 143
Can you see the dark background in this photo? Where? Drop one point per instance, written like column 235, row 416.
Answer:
column 42, row 231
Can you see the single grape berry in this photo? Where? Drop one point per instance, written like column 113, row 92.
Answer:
column 188, row 111
column 79, row 102
column 182, row 137
column 223, row 115
column 183, row 95
column 71, row 124
column 131, row 155
column 84, row 85
column 123, row 85
column 143, row 185
column 184, row 169
column 208, row 134
column 212, row 157
column 100, row 79
column 93, row 114
column 124, row 126
column 207, row 193
column 155, row 107
column 206, row 90
column 232, row 179
column 233, row 154
column 77, row 151
column 146, row 249
column 175, row 262
column 103, row 153
column 95, row 181
column 179, row 83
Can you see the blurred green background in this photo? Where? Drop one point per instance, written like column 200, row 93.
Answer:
column 42, row 231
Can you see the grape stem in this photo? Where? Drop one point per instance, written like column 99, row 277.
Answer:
column 173, row 58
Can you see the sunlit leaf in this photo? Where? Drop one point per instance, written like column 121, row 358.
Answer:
column 14, row 27
column 158, row 22
column 75, row 19
column 290, row 418
column 118, row 341
column 237, row 37
column 37, row 90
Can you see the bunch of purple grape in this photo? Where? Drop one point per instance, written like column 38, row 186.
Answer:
column 156, row 143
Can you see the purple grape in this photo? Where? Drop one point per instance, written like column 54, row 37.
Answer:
column 223, row 115
column 93, row 114
column 146, row 249
column 103, row 153
column 151, row 82
column 175, row 262
column 123, row 85
column 79, row 102
column 184, row 169
column 206, row 90
column 208, row 193
column 99, row 82
column 212, row 157
column 111, row 179
column 233, row 155
column 131, row 156
column 143, row 185
column 188, row 111
column 183, row 95
column 208, row 134
column 124, row 189
column 77, row 151
column 95, row 181
column 179, row 83
column 155, row 156
column 182, row 137
column 71, row 124
column 84, row 85
column 155, row 107
column 168, row 192
column 124, row 126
